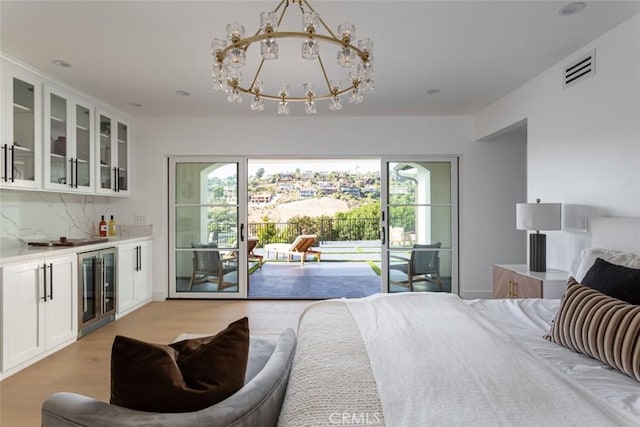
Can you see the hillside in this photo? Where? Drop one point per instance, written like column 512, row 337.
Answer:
column 281, row 212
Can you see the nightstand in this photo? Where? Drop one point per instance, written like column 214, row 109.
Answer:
column 517, row 281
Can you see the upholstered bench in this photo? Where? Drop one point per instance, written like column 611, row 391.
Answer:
column 258, row 402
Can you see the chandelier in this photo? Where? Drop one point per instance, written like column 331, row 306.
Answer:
column 230, row 57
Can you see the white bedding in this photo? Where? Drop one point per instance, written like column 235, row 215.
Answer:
column 456, row 365
column 387, row 377
column 528, row 320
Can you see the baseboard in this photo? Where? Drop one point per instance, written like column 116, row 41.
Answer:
column 158, row 295
column 476, row 294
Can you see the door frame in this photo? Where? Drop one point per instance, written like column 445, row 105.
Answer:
column 241, row 237
column 384, row 215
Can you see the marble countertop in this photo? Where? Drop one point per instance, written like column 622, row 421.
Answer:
column 23, row 252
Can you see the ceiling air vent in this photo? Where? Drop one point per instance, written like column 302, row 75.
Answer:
column 580, row 69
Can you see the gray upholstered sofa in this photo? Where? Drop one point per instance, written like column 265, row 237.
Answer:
column 256, row 404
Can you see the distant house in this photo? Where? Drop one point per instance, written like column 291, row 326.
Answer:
column 260, row 198
column 370, row 191
column 306, row 193
column 355, row 191
column 325, row 188
column 286, row 188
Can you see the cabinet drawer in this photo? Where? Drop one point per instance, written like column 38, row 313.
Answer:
column 511, row 284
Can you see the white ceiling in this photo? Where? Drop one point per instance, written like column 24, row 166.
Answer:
column 142, row 52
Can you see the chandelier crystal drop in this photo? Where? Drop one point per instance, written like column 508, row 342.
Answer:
column 233, row 53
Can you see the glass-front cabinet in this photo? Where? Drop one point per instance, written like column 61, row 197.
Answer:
column 22, row 132
column 113, row 170
column 68, row 143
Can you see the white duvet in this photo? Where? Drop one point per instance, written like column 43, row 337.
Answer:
column 528, row 320
column 437, row 361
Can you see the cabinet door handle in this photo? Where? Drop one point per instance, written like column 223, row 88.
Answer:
column 103, row 289
column 115, row 179
column 138, row 257
column 51, row 281
column 76, row 174
column 512, row 293
column 5, row 176
column 13, row 162
column 71, row 173
column 44, row 282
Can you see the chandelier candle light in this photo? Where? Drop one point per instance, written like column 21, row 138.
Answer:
column 230, row 56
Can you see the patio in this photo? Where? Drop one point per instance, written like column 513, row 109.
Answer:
column 343, row 273
column 314, row 280
column 346, row 271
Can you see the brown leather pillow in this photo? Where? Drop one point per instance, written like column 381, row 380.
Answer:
column 184, row 376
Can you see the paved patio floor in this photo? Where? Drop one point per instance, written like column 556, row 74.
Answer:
column 314, row 280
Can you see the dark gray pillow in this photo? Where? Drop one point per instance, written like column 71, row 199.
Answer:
column 616, row 281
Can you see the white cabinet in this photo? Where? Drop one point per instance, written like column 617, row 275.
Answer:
column 52, row 139
column 134, row 276
column 21, row 144
column 113, row 174
column 69, row 145
column 39, row 309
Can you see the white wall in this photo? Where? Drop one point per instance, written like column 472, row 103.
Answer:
column 583, row 141
column 481, row 169
column 494, row 209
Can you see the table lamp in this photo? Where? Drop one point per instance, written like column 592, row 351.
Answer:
column 538, row 216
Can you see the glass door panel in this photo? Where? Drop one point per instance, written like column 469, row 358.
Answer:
column 24, row 131
column 207, row 233
column 123, row 153
column 88, row 289
column 58, row 162
column 108, row 280
column 421, row 225
column 83, row 146
column 105, row 152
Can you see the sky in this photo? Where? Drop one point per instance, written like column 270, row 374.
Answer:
column 272, row 166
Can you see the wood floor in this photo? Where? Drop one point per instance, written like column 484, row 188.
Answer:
column 84, row 367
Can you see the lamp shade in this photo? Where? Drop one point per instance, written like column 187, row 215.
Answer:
column 538, row 216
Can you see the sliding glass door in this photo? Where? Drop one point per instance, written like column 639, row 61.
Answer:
column 207, row 233
column 420, row 225
column 212, row 254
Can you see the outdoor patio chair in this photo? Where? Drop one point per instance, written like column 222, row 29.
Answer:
column 251, row 244
column 422, row 266
column 301, row 246
column 208, row 266
column 399, row 237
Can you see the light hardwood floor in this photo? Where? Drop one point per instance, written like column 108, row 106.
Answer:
column 84, row 367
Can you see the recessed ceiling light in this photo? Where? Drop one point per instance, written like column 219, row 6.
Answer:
column 61, row 63
column 572, row 8
column 183, row 93
column 433, row 91
column 135, row 104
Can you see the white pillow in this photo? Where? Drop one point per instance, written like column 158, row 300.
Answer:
column 588, row 257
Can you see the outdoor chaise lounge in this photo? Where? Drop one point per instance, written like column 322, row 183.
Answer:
column 301, row 246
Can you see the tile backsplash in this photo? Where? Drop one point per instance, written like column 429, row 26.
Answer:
column 26, row 215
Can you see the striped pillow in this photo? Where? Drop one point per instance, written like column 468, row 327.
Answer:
column 599, row 326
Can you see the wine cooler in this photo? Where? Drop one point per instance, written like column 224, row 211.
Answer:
column 97, row 289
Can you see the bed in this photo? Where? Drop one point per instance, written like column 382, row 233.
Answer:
column 420, row 359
